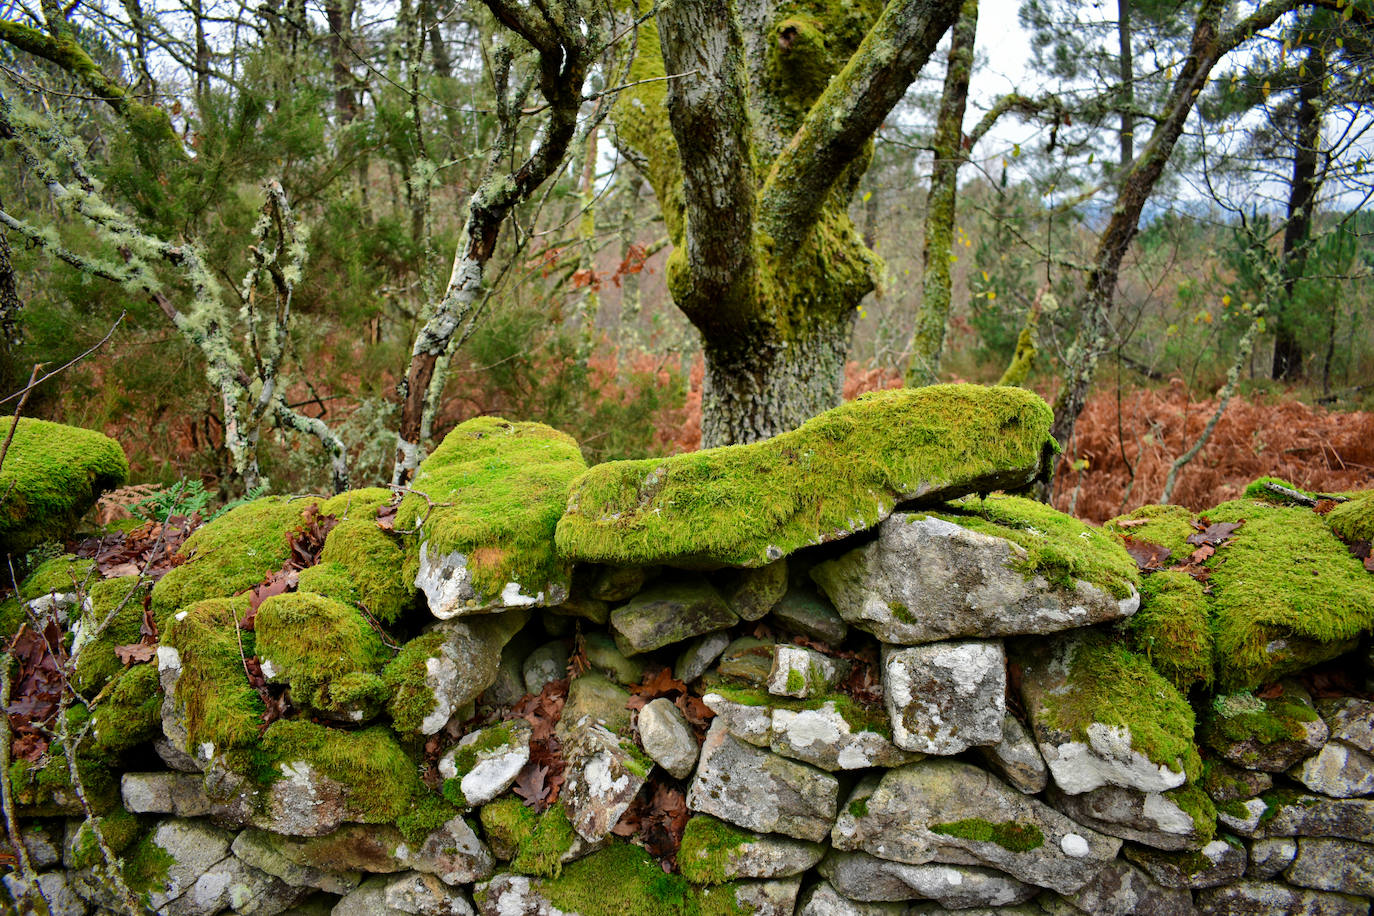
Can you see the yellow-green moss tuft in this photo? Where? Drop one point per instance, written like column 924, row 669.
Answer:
column 96, row 661
column 63, row 575
column 1010, row 835
column 220, row 706
column 411, row 697
column 534, row 843
column 312, row 641
column 1167, row 526
column 1171, row 628
column 1354, row 520
column 359, row 504
column 131, row 712
column 371, row 561
column 639, row 885
column 707, row 845
column 843, row 471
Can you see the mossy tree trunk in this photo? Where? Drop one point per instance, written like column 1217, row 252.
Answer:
column 770, row 111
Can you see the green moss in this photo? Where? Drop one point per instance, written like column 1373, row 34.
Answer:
column 357, row 504
column 1171, row 628
column 840, row 472
column 231, row 554
column 707, row 845
column 902, row 613
column 1256, row 489
column 1199, row 808
column 1167, row 526
column 220, row 706
column 505, row 485
column 1112, row 685
column 535, row 843
column 119, row 828
column 131, row 713
column 625, row 879
column 859, row 717
column 810, row 41
column 43, row 788
column 1354, row 520
column 859, row 807
column 411, row 699
column 1012, row 835
column 311, row 641
column 372, row 561
column 465, row 757
column 383, row 781
column 52, row 474
column 146, row 866
column 795, row 681
column 65, row 574
column 1285, row 594
column 1242, row 716
column 12, row 617
column 1276, row 800
column 1058, row 546
column 96, row 661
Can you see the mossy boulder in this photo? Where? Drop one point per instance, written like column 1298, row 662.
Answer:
column 1354, row 520
column 1171, row 628
column 534, row 844
column 714, row 852
column 210, row 704
column 493, row 492
column 60, row 575
column 372, row 561
column 1270, row 734
column 113, row 617
column 231, row 554
column 326, row 651
column 131, row 712
column 1102, row 715
column 842, row 472
column 52, row 474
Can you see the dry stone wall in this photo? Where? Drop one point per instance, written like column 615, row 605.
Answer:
column 833, row 673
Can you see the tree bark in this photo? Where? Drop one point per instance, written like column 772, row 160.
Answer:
column 1302, row 192
column 928, row 339
column 1127, row 71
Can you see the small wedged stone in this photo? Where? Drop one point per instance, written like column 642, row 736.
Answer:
column 747, row 659
column 1343, row 866
column 823, row 900
column 1217, row 863
column 595, row 697
column 1121, row 889
column 824, row 737
column 1225, row 782
column 744, row 721
column 1269, row 857
column 263, row 851
column 1016, row 758
column 604, row 656
column 451, row 852
column 230, row 884
column 1242, row 818
column 669, row 612
column 1151, row 818
column 513, row 895
column 926, row 579
column 946, row 697
column 864, row 877
column 667, row 738
column 182, row 794
column 1316, row 815
column 752, row 593
column 705, row 859
column 499, row 752
column 194, row 846
column 1271, row 734
column 801, row 672
column 942, row 810
column 602, row 778
column 1350, row 720
column 761, row 791
column 1338, row 770
column 806, row 611
column 774, row 897
column 588, row 608
column 616, row 583
column 547, row 663
column 45, row 844
column 1268, row 898
column 410, row 894
column 700, row 653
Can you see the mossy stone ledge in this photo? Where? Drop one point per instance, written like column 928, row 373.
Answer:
column 52, row 474
column 841, row 472
column 492, row 493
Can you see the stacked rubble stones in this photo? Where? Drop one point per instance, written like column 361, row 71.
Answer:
column 949, row 702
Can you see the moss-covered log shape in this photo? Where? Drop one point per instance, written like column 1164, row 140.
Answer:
column 495, row 491
column 52, row 474
column 842, row 472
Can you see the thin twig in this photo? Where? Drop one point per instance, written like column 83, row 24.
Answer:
column 67, row 365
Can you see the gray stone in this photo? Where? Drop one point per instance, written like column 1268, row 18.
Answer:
column 800, row 672
column 544, row 665
column 1333, row 865
column 616, row 583
column 301, row 801
column 804, row 610
column 756, row 855
column 595, row 697
column 1016, row 758
column 752, row 593
column 667, row 613
column 1269, row 857
column 761, row 791
column 1350, row 720
column 667, row 738
column 926, row 579
column 1153, row 818
column 1265, row 898
column 603, row 656
column 499, row 753
column 452, row 852
column 1225, row 782
column 603, row 777
column 906, row 818
column 1103, row 754
column 450, row 592
column 747, row 659
column 372, row 848
column 52, row 888
column 1121, row 889
column 1293, row 730
column 44, row 843
column 466, row 663
column 194, row 846
column 263, row 851
column 865, row 877
column 823, row 900
column 761, row 898
column 514, row 895
column 508, row 686
column 826, row 738
column 175, row 759
column 409, row 894
column 935, row 909
column 1217, row 863
column 593, row 609
column 230, row 884
column 946, row 697
column 182, row 794
column 1314, row 815
column 747, row 722
column 1338, row 770
column 1243, row 818
column 696, row 659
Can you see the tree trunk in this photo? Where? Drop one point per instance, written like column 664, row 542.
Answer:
column 1288, row 349
column 1127, row 71
column 928, row 339
column 752, row 393
column 340, row 19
